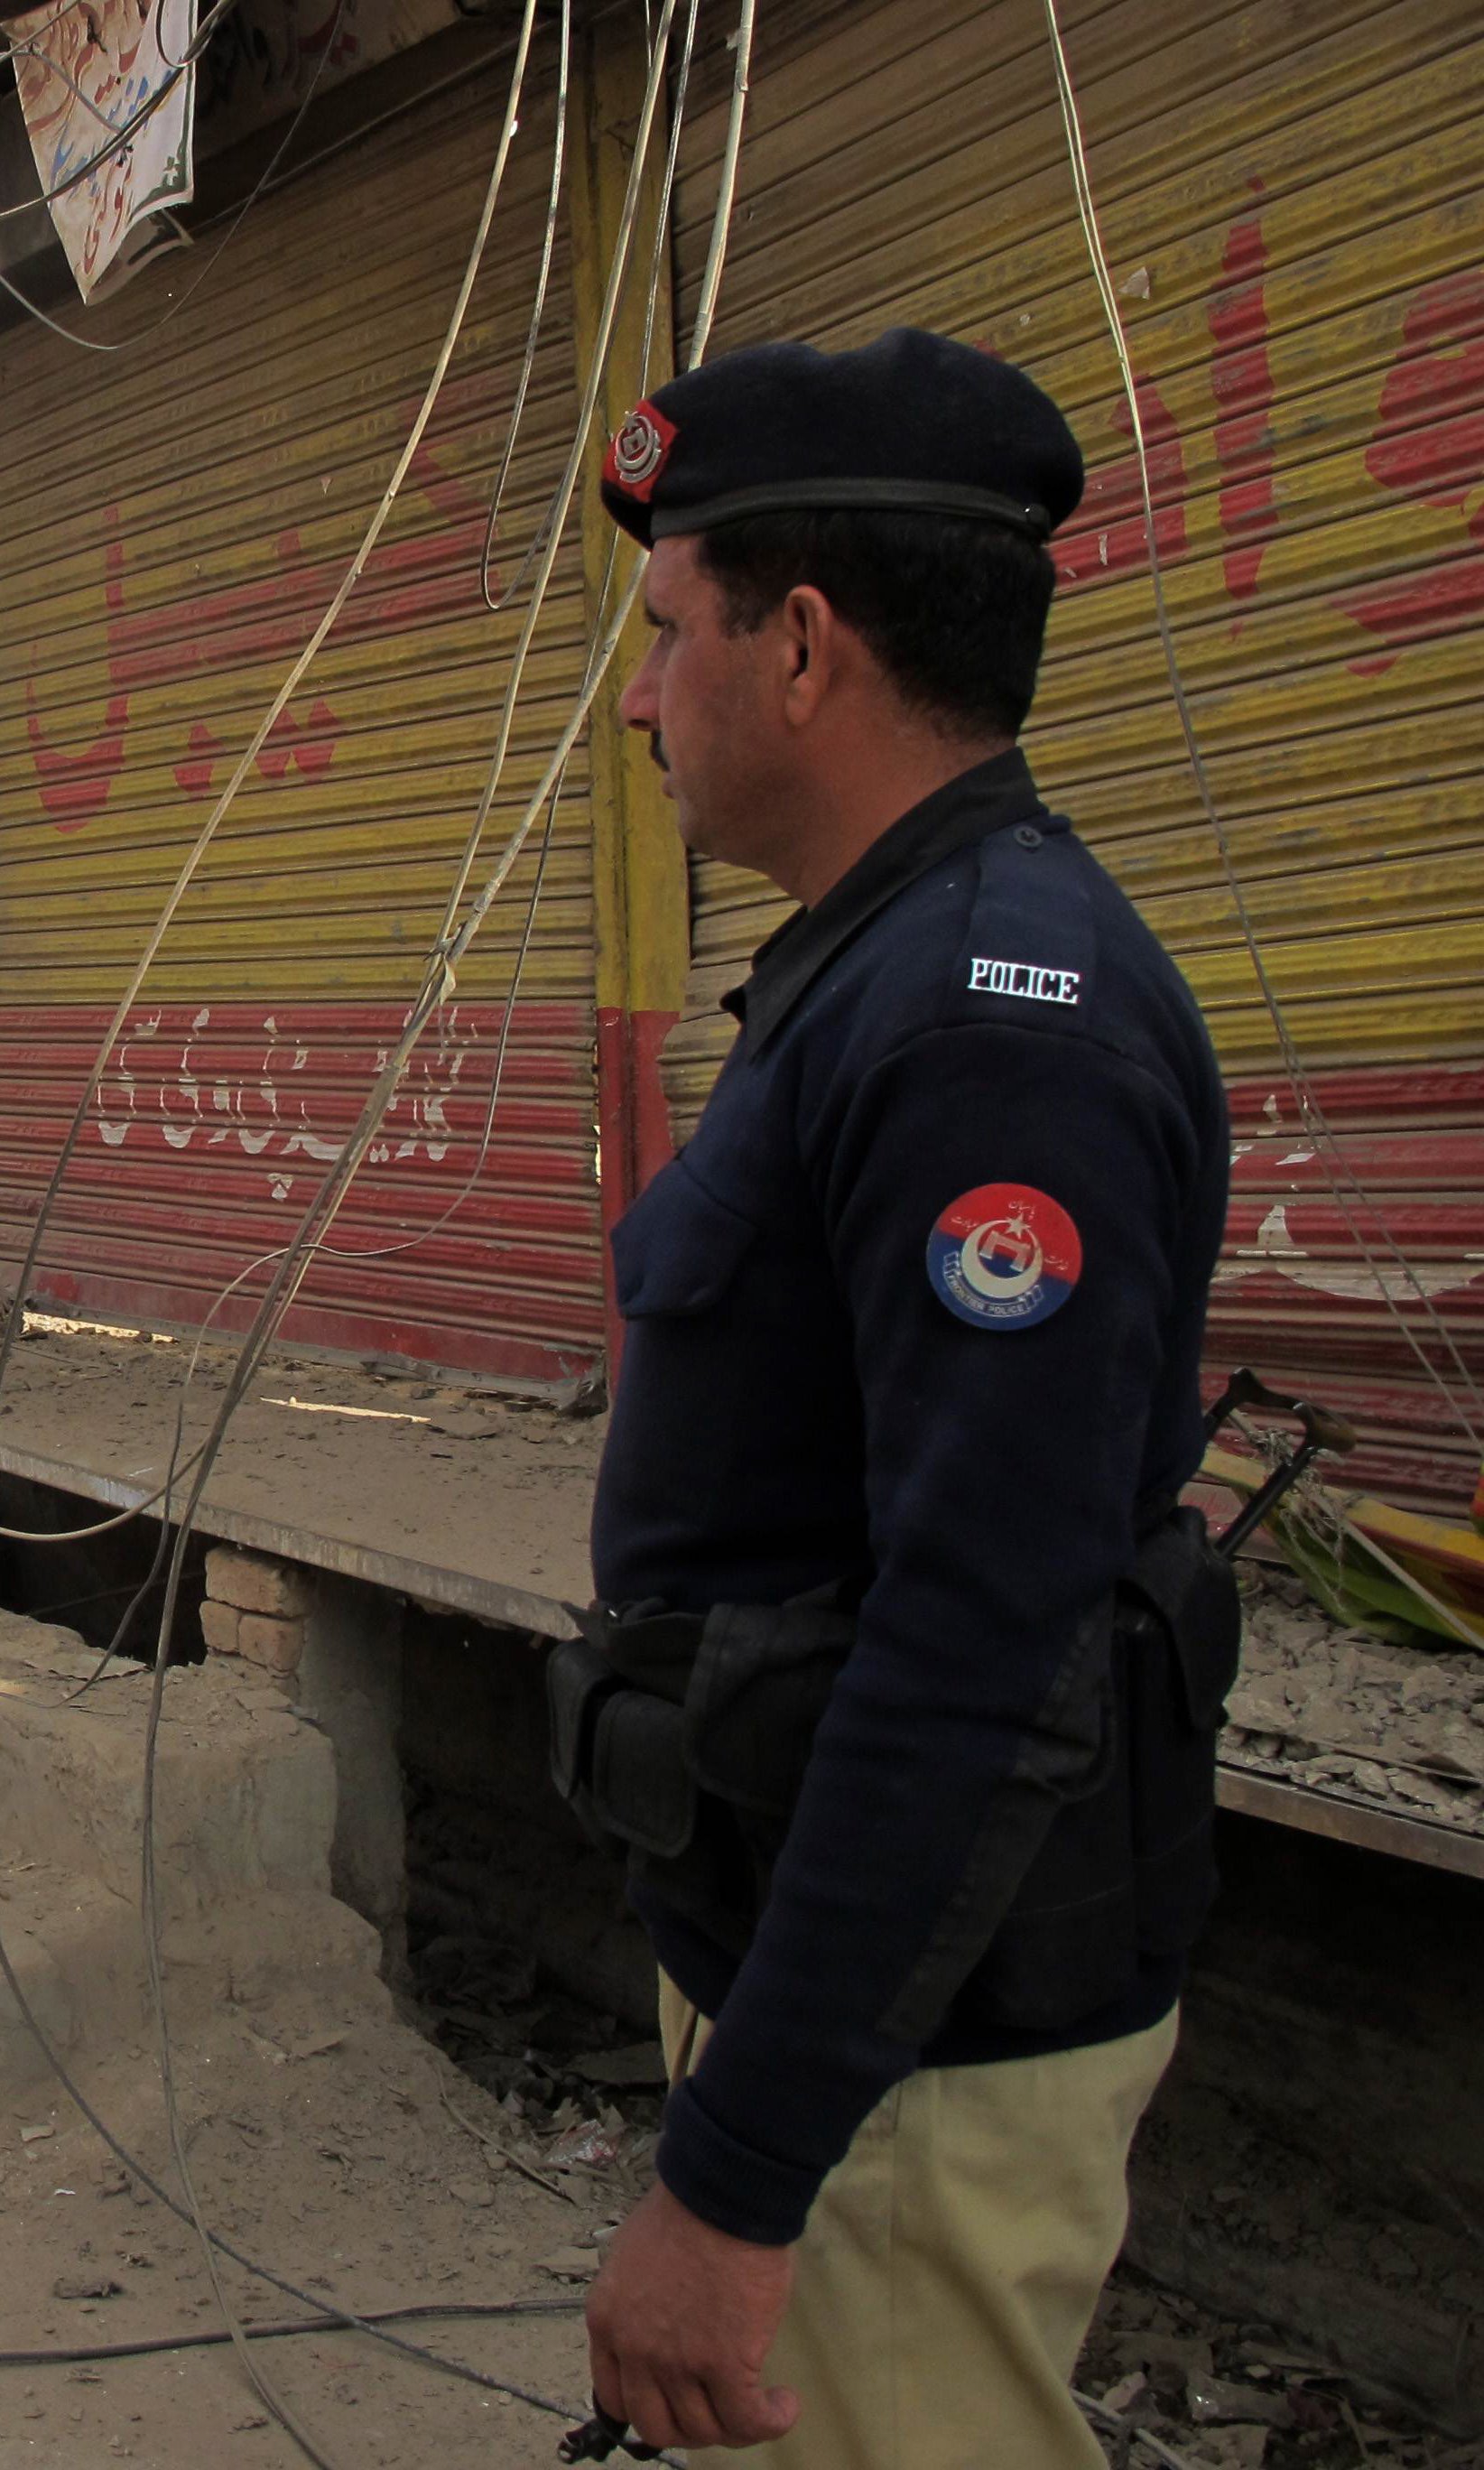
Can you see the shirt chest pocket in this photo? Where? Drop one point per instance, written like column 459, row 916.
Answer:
column 678, row 1249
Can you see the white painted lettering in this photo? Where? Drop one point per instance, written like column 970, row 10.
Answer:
column 1031, row 980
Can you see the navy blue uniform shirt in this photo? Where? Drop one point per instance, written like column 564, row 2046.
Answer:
column 917, row 1309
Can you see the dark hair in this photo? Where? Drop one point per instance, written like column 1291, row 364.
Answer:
column 953, row 609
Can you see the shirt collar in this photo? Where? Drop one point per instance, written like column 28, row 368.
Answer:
column 987, row 799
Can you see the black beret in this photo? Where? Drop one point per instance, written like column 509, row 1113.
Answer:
column 910, row 423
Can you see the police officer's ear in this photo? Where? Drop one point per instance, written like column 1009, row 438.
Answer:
column 810, row 652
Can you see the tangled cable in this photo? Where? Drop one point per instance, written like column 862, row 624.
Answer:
column 281, row 700
column 438, row 981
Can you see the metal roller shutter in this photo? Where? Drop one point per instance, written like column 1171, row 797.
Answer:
column 1293, row 211
column 175, row 522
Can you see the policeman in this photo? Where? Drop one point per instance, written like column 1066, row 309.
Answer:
column 902, row 1689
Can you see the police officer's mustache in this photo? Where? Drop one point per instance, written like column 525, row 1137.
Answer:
column 657, row 749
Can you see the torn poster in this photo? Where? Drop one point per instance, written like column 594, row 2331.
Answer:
column 109, row 95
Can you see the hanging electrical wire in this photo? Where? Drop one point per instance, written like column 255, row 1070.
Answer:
column 161, row 1496
column 438, row 984
column 561, row 504
column 450, row 953
column 542, row 531
column 281, row 700
column 7, row 50
column 447, row 955
column 537, row 313
column 1338, row 1172
column 162, row 1492
column 386, row 1252
column 678, row 101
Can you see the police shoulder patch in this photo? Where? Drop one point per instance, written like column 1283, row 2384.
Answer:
column 1004, row 1256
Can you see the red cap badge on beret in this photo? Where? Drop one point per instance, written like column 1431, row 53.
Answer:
column 639, row 451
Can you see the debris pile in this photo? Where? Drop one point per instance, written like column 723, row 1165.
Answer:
column 1343, row 1711
column 1161, row 2380
column 576, row 2102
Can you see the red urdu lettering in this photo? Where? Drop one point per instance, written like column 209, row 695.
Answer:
column 1241, row 381
column 1107, row 536
column 75, row 785
column 1428, row 446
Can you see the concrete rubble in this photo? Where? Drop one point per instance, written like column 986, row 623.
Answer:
column 1318, row 1704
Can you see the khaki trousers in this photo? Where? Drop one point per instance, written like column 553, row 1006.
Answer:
column 951, row 2264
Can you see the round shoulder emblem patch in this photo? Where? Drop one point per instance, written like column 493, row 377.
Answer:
column 1004, row 1256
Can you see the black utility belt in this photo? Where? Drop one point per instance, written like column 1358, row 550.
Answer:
column 652, row 1710
column 682, row 1742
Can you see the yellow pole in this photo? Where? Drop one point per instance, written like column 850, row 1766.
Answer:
column 639, row 884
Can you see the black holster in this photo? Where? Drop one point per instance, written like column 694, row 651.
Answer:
column 1127, row 1870
column 680, row 1741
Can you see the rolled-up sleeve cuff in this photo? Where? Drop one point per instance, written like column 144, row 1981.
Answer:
column 748, row 2194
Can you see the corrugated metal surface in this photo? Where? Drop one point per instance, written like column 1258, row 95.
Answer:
column 1293, row 211
column 176, row 521
column 216, row 1120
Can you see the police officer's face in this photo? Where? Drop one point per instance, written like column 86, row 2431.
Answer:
column 703, row 698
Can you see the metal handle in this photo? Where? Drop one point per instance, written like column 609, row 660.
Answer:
column 1322, row 1428
column 600, row 2437
column 1321, row 1431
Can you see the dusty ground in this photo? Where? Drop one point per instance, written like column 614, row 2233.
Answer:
column 318, row 2120
column 1334, row 1708
column 329, row 2137
column 496, row 1487
column 346, row 2167
column 343, row 2167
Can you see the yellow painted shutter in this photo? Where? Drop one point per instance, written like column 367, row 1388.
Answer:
column 1293, row 209
column 176, row 521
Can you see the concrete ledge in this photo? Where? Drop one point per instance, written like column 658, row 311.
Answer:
column 485, row 1599
column 1431, row 1842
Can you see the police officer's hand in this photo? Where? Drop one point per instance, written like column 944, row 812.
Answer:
column 680, row 2321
